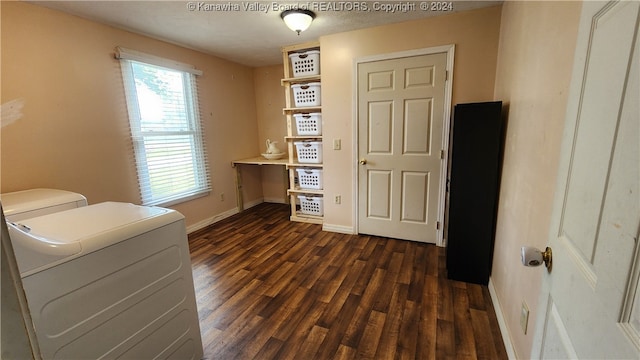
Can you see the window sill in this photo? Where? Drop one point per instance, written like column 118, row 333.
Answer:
column 180, row 200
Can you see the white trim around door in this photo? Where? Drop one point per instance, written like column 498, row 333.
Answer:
column 449, row 50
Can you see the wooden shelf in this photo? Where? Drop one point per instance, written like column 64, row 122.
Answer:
column 300, row 80
column 298, row 190
column 309, row 45
column 302, row 137
column 259, row 160
column 309, row 109
column 296, row 164
column 300, row 217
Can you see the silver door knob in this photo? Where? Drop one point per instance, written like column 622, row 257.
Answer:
column 534, row 257
column 363, row 161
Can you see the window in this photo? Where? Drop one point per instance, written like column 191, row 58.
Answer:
column 165, row 128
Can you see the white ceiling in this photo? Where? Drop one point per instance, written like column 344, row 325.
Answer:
column 249, row 37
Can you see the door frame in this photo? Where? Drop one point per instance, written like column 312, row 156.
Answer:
column 449, row 50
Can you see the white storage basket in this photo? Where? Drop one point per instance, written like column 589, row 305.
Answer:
column 310, row 178
column 305, row 63
column 306, row 95
column 308, row 123
column 311, row 205
column 309, row 151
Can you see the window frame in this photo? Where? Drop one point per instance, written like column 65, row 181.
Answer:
column 193, row 130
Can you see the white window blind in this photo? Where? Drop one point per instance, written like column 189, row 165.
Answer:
column 165, row 129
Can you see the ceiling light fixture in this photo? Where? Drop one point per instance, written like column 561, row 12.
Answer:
column 298, row 20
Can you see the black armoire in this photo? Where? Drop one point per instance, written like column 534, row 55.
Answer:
column 476, row 154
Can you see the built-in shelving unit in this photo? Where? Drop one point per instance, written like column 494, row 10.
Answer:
column 289, row 110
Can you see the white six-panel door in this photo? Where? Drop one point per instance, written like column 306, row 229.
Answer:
column 590, row 305
column 400, row 119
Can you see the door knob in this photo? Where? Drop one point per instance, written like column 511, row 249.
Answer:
column 534, row 257
column 363, row 161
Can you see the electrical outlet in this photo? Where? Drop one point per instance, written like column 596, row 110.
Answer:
column 337, row 200
column 337, row 144
column 524, row 317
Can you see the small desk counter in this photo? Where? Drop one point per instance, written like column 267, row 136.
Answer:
column 258, row 160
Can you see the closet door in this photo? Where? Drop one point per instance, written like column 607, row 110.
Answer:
column 473, row 191
column 401, row 117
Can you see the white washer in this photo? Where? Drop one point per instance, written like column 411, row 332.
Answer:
column 110, row 280
column 25, row 204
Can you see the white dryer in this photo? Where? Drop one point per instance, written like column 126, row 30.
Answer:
column 111, row 280
column 25, row 204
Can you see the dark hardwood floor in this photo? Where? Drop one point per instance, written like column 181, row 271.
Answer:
column 268, row 288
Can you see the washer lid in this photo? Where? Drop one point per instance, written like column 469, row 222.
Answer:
column 44, row 241
column 18, row 202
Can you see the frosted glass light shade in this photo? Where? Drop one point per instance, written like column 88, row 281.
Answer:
column 298, row 20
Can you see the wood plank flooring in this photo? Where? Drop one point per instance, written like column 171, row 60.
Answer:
column 268, row 288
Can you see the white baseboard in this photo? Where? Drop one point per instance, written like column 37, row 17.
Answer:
column 275, row 200
column 252, row 203
column 338, row 228
column 214, row 219
column 504, row 330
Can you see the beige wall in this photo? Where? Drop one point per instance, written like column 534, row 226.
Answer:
column 475, row 34
column 535, row 58
column 272, row 125
column 74, row 134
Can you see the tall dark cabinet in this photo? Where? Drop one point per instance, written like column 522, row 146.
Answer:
column 473, row 190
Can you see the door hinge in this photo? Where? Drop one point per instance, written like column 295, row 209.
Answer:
column 442, row 154
column 446, row 75
column 437, row 225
